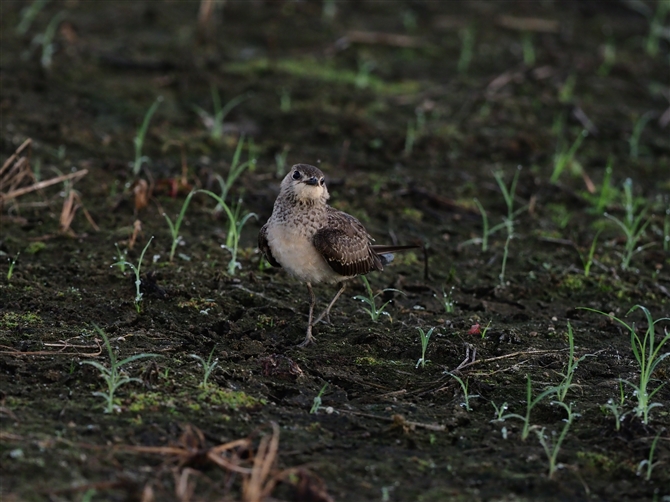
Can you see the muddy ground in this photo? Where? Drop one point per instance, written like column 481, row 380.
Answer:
column 411, row 109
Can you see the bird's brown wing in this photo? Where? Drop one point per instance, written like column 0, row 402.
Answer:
column 345, row 245
column 265, row 247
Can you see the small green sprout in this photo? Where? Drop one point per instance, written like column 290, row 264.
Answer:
column 28, row 15
column 448, row 301
column 138, row 141
column 113, row 376
column 280, row 161
column 566, row 384
column 285, row 100
column 609, row 58
column 208, row 367
column 530, row 404
column 122, row 255
column 565, row 157
column 317, row 400
column 425, row 338
column 215, row 122
column 657, row 28
column 374, row 312
column 485, row 225
column 528, row 48
column 648, row 356
column 12, row 264
column 174, row 227
column 236, row 168
column 649, row 462
column 634, row 140
column 464, row 388
column 617, row 412
column 235, row 225
column 587, row 261
column 46, row 39
column 136, row 270
column 467, row 36
column 550, row 449
column 633, row 225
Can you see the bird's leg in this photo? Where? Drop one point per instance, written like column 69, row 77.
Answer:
column 326, row 313
column 308, row 337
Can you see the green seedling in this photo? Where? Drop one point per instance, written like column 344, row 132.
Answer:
column 530, row 404
column 329, row 10
column 504, row 260
column 666, row 230
column 565, row 157
column 410, row 137
column 500, row 411
column 649, row 462
column 236, row 169
column 215, row 122
column 113, row 376
column 28, row 15
column 617, row 412
column 370, row 300
column 362, row 79
column 508, row 194
column 12, row 264
column 633, row 225
column 316, row 405
column 648, row 356
column 415, row 129
column 46, row 39
column 550, row 449
column 587, row 260
column 486, row 329
column 208, row 367
column 122, row 255
column 138, row 280
column 508, row 221
column 657, row 28
column 464, row 388
column 609, row 58
column 467, row 36
column 573, row 363
column 285, row 100
column 528, row 48
column 280, row 161
column 567, row 90
column 425, row 338
column 448, row 301
column 485, row 225
column 606, row 195
column 174, row 227
column 235, row 224
column 138, row 141
column 634, row 140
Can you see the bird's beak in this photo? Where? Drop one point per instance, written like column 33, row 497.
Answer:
column 312, row 181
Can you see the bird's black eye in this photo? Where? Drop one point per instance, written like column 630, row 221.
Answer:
column 322, row 181
column 296, row 175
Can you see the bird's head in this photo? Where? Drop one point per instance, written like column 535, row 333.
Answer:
column 305, row 184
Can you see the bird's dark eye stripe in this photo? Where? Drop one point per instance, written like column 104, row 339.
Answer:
column 321, row 181
column 296, row 175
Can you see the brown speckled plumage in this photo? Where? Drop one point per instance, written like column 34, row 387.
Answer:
column 315, row 242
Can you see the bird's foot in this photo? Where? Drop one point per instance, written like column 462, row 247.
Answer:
column 308, row 338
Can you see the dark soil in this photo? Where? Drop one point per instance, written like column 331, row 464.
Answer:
column 409, row 108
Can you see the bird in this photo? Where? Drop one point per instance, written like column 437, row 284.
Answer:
column 315, row 242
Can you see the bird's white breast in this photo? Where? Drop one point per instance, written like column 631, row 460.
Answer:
column 292, row 247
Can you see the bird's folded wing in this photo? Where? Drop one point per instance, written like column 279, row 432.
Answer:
column 345, row 245
column 265, row 247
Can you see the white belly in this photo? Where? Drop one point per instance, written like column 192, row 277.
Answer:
column 295, row 252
